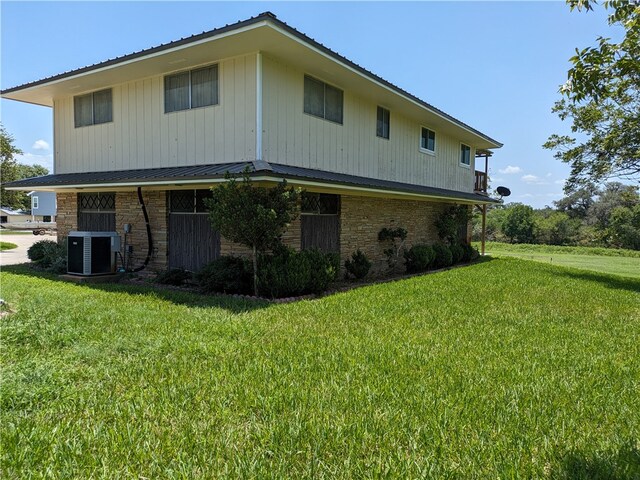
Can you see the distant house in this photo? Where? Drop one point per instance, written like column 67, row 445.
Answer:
column 9, row 216
column 43, row 206
column 165, row 124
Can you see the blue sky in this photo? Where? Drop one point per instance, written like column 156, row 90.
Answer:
column 494, row 65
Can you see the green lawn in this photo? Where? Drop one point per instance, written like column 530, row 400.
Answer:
column 14, row 232
column 504, row 369
column 7, row 246
column 612, row 261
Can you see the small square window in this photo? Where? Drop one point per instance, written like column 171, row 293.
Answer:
column 465, row 154
column 427, row 140
column 93, row 108
column 322, row 100
column 191, row 89
column 382, row 125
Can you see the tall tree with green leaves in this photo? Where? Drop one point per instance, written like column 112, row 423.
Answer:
column 602, row 100
column 518, row 223
column 8, row 170
column 252, row 216
column 11, row 170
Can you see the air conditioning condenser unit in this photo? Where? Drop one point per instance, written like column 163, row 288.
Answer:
column 92, row 253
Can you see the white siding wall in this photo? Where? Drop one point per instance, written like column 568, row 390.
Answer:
column 292, row 137
column 143, row 136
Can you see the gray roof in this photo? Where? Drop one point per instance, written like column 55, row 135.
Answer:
column 227, row 28
column 176, row 175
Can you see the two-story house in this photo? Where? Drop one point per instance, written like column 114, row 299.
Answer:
column 158, row 128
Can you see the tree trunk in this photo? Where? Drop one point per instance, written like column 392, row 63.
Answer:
column 255, row 272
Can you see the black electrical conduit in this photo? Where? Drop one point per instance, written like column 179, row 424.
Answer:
column 149, row 239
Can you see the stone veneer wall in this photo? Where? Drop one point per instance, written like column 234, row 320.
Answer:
column 127, row 211
column 361, row 219
column 67, row 214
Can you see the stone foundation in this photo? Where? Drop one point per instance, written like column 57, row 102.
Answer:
column 128, row 210
column 67, row 214
column 361, row 219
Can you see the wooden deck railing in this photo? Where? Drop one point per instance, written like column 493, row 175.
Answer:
column 481, row 182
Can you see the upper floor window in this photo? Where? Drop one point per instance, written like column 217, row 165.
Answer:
column 465, row 155
column 322, row 100
column 93, row 108
column 34, row 202
column 191, row 89
column 427, row 140
column 382, row 125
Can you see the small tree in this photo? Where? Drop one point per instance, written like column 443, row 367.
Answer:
column 395, row 237
column 449, row 223
column 252, row 216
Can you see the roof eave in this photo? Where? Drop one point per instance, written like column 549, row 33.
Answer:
column 266, row 18
column 263, row 176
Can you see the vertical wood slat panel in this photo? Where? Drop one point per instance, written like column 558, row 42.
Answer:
column 192, row 241
column 321, row 232
column 141, row 135
column 96, row 222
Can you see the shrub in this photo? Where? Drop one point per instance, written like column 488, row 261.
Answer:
column 450, row 222
column 50, row 255
column 288, row 273
column 174, row 276
column 443, row 257
column 419, row 258
column 58, row 265
column 358, row 266
column 457, row 253
column 322, row 267
column 40, row 249
column 470, row 253
column 227, row 274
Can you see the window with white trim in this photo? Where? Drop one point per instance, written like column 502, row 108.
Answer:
column 93, row 108
column 34, row 202
column 191, row 89
column 427, row 140
column 323, row 100
column 465, row 155
column 383, row 123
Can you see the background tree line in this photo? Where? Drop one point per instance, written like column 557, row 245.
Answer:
column 11, row 170
column 607, row 217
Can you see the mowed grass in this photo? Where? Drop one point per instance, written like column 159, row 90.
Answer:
column 503, row 369
column 611, row 261
column 4, row 232
column 7, row 246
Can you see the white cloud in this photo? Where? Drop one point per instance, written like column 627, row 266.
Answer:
column 40, row 145
column 530, row 179
column 510, row 170
column 559, row 182
column 33, row 159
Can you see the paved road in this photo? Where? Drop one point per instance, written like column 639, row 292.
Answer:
column 19, row 255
